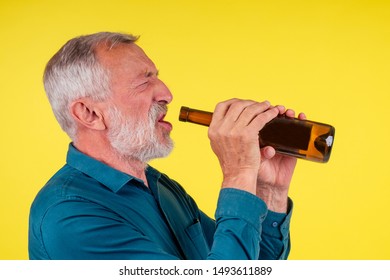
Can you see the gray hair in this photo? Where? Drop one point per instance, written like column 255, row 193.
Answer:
column 75, row 72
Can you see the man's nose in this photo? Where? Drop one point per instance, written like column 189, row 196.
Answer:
column 162, row 93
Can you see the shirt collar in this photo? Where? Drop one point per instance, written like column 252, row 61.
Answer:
column 108, row 176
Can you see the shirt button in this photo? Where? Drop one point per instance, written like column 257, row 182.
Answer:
column 274, row 224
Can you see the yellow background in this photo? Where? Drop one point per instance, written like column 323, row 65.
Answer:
column 329, row 59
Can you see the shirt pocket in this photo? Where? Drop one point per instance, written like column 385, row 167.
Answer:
column 195, row 234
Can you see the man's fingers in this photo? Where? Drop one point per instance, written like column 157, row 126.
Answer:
column 250, row 112
column 230, row 109
column 267, row 152
column 302, row 116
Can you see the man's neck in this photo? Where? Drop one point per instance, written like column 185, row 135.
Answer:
column 109, row 156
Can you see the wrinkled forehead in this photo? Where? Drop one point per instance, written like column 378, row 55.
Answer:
column 121, row 55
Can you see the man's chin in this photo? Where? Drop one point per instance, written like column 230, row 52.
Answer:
column 146, row 155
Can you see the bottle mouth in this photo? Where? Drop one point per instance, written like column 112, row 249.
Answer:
column 183, row 116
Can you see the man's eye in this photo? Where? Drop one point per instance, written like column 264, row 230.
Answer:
column 143, row 85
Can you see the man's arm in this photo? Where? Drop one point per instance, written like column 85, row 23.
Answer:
column 234, row 139
column 79, row 229
column 273, row 233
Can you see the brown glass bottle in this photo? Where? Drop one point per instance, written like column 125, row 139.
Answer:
column 289, row 136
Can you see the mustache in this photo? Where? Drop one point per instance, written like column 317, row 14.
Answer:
column 157, row 110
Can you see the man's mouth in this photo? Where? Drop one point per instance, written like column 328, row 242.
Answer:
column 163, row 122
column 161, row 117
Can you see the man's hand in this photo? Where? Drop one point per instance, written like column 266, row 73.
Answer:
column 234, row 139
column 275, row 175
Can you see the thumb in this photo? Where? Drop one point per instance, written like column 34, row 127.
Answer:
column 268, row 152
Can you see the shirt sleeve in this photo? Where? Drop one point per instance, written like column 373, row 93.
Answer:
column 245, row 229
column 276, row 235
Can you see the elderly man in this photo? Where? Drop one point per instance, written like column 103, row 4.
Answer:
column 106, row 202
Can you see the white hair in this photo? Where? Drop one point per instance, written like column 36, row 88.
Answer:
column 75, row 72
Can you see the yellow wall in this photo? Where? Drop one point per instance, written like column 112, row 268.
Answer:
column 329, row 59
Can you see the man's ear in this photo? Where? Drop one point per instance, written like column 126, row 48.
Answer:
column 87, row 113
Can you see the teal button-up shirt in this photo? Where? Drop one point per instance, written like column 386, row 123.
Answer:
column 89, row 210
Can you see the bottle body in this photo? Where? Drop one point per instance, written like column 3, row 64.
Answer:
column 289, row 136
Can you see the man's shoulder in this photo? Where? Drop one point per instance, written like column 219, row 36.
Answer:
column 61, row 186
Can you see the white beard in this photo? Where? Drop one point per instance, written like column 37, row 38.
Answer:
column 134, row 139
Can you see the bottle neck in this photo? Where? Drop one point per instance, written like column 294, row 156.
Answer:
column 195, row 116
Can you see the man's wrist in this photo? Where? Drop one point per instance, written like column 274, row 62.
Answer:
column 246, row 182
column 276, row 200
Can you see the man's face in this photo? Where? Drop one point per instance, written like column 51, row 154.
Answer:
column 137, row 107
